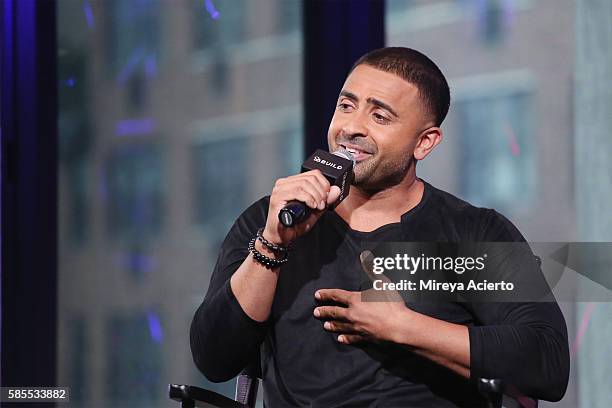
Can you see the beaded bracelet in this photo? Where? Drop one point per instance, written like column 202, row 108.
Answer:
column 269, row 263
column 270, row 245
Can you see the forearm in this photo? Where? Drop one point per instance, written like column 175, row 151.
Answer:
column 445, row 343
column 223, row 337
column 254, row 286
column 532, row 358
column 228, row 328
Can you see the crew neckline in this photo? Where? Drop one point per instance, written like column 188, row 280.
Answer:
column 383, row 228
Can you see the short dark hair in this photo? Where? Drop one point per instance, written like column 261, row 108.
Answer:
column 417, row 69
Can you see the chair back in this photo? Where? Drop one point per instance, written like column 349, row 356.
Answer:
column 500, row 395
column 247, row 383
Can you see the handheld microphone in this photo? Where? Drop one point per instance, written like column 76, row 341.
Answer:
column 337, row 167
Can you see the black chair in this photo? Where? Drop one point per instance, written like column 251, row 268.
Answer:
column 496, row 394
column 247, row 386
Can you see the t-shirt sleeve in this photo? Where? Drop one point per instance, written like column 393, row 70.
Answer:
column 224, row 339
column 523, row 343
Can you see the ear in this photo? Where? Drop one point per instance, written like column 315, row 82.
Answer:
column 428, row 139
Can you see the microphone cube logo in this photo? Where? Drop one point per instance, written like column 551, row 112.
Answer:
column 327, row 163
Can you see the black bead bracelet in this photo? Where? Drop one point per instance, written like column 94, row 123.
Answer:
column 269, row 263
column 270, row 245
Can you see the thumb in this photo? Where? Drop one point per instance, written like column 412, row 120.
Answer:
column 334, row 194
column 367, row 263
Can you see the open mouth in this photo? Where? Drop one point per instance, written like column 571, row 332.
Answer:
column 357, row 152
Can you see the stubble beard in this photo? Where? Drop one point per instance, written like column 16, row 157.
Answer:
column 373, row 177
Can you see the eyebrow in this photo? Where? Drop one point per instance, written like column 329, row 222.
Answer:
column 373, row 101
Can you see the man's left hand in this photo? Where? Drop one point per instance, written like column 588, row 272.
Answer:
column 358, row 320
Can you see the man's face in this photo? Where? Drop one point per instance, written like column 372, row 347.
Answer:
column 378, row 118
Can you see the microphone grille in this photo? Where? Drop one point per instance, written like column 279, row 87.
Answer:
column 342, row 152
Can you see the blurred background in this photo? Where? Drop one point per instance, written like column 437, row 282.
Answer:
column 175, row 115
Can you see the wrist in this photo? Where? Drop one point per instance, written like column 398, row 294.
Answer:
column 275, row 238
column 268, row 262
column 405, row 327
column 267, row 251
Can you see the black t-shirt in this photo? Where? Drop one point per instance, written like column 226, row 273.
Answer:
column 524, row 344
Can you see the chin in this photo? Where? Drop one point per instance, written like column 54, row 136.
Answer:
column 363, row 181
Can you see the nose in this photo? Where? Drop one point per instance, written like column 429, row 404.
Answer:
column 355, row 126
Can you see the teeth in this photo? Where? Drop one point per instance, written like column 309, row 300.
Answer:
column 353, row 151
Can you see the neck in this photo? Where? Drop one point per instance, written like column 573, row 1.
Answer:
column 366, row 211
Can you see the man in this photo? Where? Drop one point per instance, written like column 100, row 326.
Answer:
column 320, row 345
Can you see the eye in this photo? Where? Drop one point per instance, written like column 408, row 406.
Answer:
column 343, row 106
column 380, row 118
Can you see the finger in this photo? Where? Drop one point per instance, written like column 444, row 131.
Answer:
column 320, row 183
column 319, row 186
column 373, row 295
column 296, row 191
column 314, row 175
column 335, row 295
column 317, row 189
column 308, row 185
column 334, row 194
column 321, row 179
column 281, row 181
column 350, row 338
column 306, row 197
column 340, row 327
column 384, row 296
column 318, row 177
column 330, row 313
column 367, row 263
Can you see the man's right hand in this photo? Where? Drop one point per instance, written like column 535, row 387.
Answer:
column 253, row 284
column 311, row 188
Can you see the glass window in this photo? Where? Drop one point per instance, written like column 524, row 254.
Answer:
column 496, row 150
column 75, row 146
column 77, row 344
column 133, row 32
column 491, row 20
column 509, row 136
column 287, row 15
column 219, row 23
column 135, row 192
column 218, row 204
column 163, row 106
column 394, row 6
column 134, row 354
